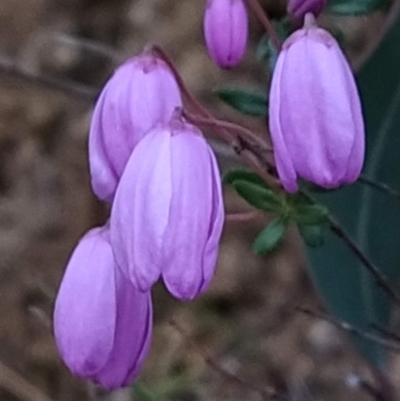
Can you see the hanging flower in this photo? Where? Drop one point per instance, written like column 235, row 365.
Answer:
column 167, row 215
column 315, row 113
column 102, row 324
column 141, row 93
column 226, row 31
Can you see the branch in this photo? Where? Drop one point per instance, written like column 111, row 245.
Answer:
column 380, row 279
column 18, row 386
column 386, row 189
column 10, row 68
column 266, row 23
column 347, row 327
column 268, row 394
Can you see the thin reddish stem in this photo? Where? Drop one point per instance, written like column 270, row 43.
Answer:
column 244, row 217
column 242, row 131
column 262, row 16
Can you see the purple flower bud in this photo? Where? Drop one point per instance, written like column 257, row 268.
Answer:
column 226, row 31
column 168, row 213
column 102, row 324
column 141, row 93
column 299, row 8
column 315, row 113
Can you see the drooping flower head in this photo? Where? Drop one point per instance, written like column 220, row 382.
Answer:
column 315, row 114
column 167, row 216
column 141, row 93
column 102, row 324
column 299, row 8
column 226, row 31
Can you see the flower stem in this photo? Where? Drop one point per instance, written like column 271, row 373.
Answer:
column 386, row 189
column 380, row 279
column 262, row 16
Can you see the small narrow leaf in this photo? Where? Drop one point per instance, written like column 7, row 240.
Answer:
column 313, row 235
column 234, row 174
column 249, row 102
column 258, row 196
column 311, row 214
column 270, row 237
column 355, row 7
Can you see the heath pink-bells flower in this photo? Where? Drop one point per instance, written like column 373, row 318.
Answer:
column 226, row 30
column 141, row 93
column 168, row 214
column 102, row 324
column 315, row 113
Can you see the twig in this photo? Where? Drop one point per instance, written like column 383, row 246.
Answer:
column 351, row 329
column 383, row 331
column 264, row 20
column 269, row 394
column 12, row 69
column 386, row 189
column 244, row 133
column 19, row 387
column 242, row 217
column 380, row 279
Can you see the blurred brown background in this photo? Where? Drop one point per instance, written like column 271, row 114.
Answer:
column 240, row 339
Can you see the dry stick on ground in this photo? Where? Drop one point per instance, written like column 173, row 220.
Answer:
column 391, row 345
column 10, row 68
column 385, row 392
column 16, row 385
column 267, row 394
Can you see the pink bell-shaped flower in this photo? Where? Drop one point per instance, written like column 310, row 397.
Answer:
column 102, row 324
column 141, row 93
column 167, row 216
column 226, row 31
column 299, row 8
column 315, row 114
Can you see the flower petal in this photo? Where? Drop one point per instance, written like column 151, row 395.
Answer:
column 133, row 336
column 140, row 212
column 85, row 307
column 190, row 212
column 141, row 93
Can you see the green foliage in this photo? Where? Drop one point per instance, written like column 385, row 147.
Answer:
column 355, row 7
column 313, row 235
column 258, row 196
column 311, row 218
column 249, row 102
column 234, row 174
column 270, row 237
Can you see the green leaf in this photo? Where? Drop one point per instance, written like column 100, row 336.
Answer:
column 355, row 7
column 258, row 196
column 311, row 214
column 234, row 174
column 270, row 237
column 313, row 235
column 371, row 218
column 249, row 102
